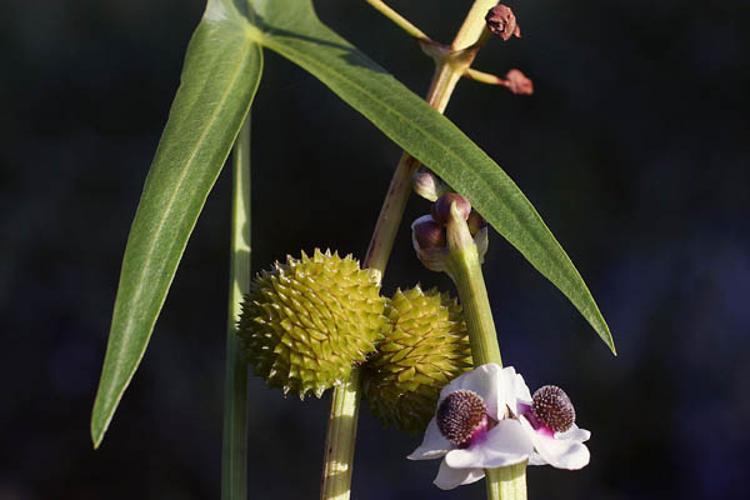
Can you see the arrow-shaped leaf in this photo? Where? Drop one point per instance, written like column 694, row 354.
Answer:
column 221, row 73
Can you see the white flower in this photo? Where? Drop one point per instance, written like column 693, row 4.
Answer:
column 472, row 431
column 487, row 418
column 548, row 418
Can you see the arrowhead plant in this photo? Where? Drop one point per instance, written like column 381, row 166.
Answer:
column 308, row 332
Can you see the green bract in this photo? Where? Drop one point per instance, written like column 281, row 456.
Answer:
column 426, row 347
column 305, row 323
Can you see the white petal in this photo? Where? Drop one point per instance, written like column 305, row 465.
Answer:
column 575, row 433
column 505, row 444
column 469, row 458
column 521, row 390
column 514, row 389
column 484, row 380
column 536, row 459
column 434, row 445
column 561, row 453
column 449, row 478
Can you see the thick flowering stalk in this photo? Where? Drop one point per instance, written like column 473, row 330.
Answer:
column 460, row 258
column 464, row 268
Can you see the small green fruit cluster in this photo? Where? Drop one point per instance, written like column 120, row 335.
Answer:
column 306, row 323
column 426, row 347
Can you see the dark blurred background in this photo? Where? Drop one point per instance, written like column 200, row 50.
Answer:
column 634, row 149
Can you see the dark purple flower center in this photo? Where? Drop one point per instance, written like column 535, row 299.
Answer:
column 553, row 409
column 462, row 417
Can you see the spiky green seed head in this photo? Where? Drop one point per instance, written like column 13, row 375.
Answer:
column 307, row 322
column 426, row 347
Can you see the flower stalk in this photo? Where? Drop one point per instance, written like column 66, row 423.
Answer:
column 398, row 20
column 464, row 267
column 507, row 483
column 449, row 68
column 234, row 446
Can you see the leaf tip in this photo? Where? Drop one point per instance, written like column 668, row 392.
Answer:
column 606, row 336
column 100, row 419
column 97, row 435
column 612, row 348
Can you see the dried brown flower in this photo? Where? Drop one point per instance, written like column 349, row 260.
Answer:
column 501, row 21
column 518, row 83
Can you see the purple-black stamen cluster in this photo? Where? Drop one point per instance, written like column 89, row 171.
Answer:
column 553, row 408
column 460, row 416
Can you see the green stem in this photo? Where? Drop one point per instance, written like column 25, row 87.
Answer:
column 391, row 213
column 474, row 27
column 398, row 19
column 234, row 448
column 465, row 269
column 342, row 423
column 342, row 427
column 466, row 272
column 507, row 483
column 482, row 77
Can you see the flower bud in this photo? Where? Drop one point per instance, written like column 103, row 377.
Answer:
column 307, row 322
column 428, row 185
column 429, row 241
column 429, row 234
column 441, row 210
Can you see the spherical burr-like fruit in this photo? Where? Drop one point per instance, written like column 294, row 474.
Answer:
column 307, row 322
column 426, row 347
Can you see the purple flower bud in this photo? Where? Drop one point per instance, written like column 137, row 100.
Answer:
column 428, row 185
column 441, row 210
column 429, row 234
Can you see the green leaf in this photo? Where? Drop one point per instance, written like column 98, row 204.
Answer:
column 221, row 73
column 291, row 28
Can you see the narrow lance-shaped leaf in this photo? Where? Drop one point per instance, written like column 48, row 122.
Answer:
column 221, row 73
column 291, row 28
